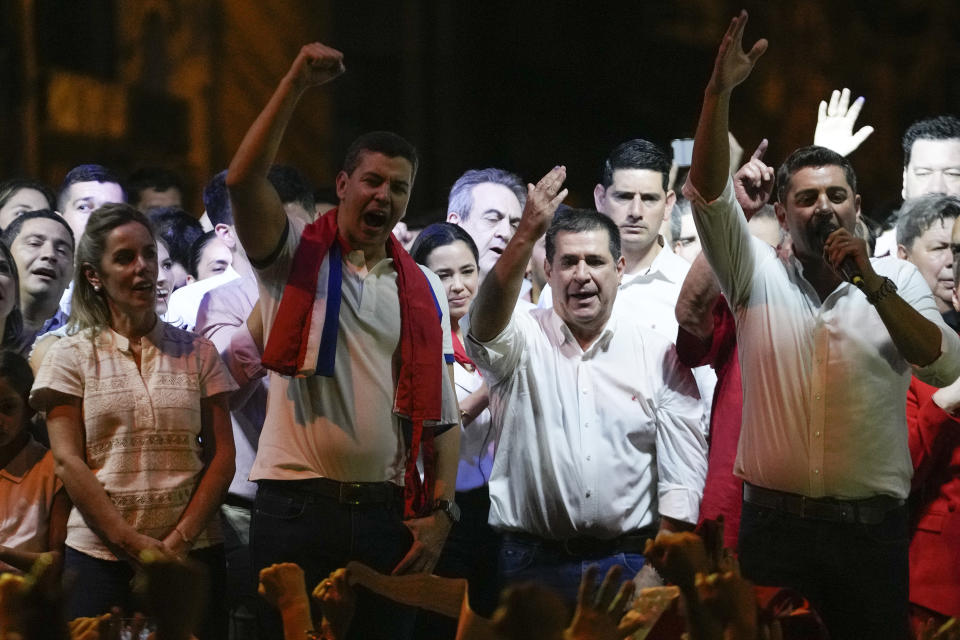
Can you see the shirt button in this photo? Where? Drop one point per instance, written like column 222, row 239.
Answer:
column 586, row 425
column 584, row 390
column 818, row 396
column 588, row 494
column 816, row 471
column 817, row 433
column 588, row 458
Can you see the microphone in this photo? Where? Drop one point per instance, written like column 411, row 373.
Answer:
column 848, row 268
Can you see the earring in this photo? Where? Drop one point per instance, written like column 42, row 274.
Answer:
column 96, row 288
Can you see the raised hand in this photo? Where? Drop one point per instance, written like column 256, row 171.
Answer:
column 600, row 615
column 733, row 65
column 282, row 584
column 542, row 202
column 753, row 182
column 315, row 65
column 835, row 124
column 338, row 602
column 678, row 557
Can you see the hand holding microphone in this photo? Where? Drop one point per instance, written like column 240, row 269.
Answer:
column 847, row 268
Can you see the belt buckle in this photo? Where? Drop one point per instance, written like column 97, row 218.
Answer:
column 350, row 493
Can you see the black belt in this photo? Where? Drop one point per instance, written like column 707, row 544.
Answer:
column 867, row 511
column 586, row 546
column 343, row 492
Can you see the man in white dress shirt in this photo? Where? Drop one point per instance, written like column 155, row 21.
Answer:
column 599, row 441
column 825, row 364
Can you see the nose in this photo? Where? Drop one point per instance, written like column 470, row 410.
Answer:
column 582, row 272
column 456, row 283
column 504, row 229
column 48, row 252
column 636, row 210
column 382, row 192
column 938, row 182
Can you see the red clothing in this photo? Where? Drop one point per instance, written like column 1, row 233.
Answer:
column 935, row 502
column 723, row 491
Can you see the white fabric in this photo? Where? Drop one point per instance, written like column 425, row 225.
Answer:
column 477, row 439
column 141, row 427
column 343, row 427
column 184, row 302
column 824, row 387
column 597, row 442
column 27, row 487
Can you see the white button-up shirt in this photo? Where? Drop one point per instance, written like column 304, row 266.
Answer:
column 824, row 387
column 597, row 442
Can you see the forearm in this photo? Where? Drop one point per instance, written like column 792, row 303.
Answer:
column 710, row 167
column 473, row 405
column 22, row 560
column 89, row 496
column 498, row 294
column 296, row 618
column 258, row 213
column 698, row 295
column 917, row 338
column 447, row 448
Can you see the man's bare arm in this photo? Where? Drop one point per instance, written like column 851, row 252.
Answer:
column 711, row 153
column 257, row 210
column 498, row 294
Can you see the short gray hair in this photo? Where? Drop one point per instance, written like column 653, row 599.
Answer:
column 461, row 193
column 919, row 214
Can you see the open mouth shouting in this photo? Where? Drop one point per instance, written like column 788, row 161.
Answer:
column 45, row 273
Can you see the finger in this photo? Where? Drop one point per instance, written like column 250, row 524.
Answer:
column 758, row 49
column 586, row 584
column 554, row 178
column 407, row 562
column 762, row 147
column 844, row 102
column 862, row 135
column 741, row 27
column 822, row 111
column 560, row 197
column 834, row 101
column 622, row 599
column 608, row 589
column 854, row 112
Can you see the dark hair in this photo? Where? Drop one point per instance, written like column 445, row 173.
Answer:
column 16, row 370
column 291, row 186
column 156, row 178
column 89, row 307
column 10, row 188
column 14, row 324
column 196, row 252
column 578, row 221
column 440, row 234
column 937, row 128
column 85, row 173
column 920, row 213
column 11, row 232
column 216, row 200
column 636, row 154
column 385, row 142
column 178, row 229
column 812, row 156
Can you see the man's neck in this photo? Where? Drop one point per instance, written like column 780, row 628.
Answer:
column 37, row 310
column 819, row 274
column 640, row 260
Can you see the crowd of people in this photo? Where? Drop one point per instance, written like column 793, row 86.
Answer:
column 720, row 388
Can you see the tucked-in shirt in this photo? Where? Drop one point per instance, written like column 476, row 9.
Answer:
column 343, row 427
column 824, row 386
column 27, row 487
column 141, row 426
column 594, row 442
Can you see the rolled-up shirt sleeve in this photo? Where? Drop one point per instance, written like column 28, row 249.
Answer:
column 681, row 445
column 499, row 357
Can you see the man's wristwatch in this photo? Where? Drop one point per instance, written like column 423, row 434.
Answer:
column 449, row 508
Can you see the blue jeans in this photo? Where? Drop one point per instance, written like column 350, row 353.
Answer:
column 530, row 561
column 98, row 585
column 241, row 595
column 322, row 535
column 855, row 575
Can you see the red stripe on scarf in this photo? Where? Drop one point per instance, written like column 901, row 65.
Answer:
column 419, row 395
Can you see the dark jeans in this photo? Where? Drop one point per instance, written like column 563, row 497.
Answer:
column 322, row 535
column 855, row 575
column 523, row 561
column 98, row 585
column 470, row 552
column 241, row 594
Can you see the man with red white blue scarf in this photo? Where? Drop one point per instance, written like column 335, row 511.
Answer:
column 357, row 335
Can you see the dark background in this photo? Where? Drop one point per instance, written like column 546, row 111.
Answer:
column 520, row 85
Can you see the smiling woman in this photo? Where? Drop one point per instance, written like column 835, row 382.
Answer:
column 138, row 422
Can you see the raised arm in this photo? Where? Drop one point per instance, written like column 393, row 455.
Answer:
column 257, row 210
column 835, row 122
column 498, row 294
column 711, row 152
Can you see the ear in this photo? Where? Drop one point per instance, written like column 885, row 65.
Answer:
column 225, row 233
column 190, row 279
column 453, row 217
column 92, row 276
column 671, row 200
column 956, row 301
column 342, row 184
column 856, row 204
column 902, row 252
column 903, row 189
column 781, row 215
column 599, row 195
column 547, row 268
column 621, row 266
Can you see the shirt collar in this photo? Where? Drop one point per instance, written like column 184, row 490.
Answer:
column 122, row 343
column 563, row 335
column 664, row 267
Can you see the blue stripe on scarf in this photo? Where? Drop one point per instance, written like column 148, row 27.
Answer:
column 327, row 352
column 447, row 357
